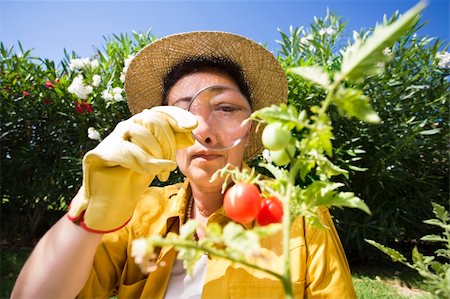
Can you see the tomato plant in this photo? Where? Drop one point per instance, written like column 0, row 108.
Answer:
column 275, row 137
column 283, row 157
column 242, row 202
column 271, row 211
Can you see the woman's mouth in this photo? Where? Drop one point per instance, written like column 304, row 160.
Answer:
column 206, row 156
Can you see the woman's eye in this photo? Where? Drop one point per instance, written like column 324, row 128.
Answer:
column 228, row 108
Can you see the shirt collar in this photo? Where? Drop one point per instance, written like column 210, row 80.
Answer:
column 178, row 206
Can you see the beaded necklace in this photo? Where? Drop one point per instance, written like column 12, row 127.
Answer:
column 190, row 207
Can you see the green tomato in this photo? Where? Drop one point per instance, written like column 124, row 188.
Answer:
column 281, row 157
column 275, row 137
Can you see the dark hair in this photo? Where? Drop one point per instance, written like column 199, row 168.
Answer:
column 196, row 64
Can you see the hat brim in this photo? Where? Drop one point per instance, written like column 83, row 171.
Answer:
column 144, row 80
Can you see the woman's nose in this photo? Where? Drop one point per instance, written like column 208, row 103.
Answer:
column 205, row 133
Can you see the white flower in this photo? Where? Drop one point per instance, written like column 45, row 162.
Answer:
column 79, row 89
column 306, row 39
column 106, row 95
column 89, row 89
column 387, row 51
column 117, row 90
column 127, row 61
column 328, row 31
column 79, row 63
column 117, row 94
column 113, row 94
column 443, row 60
column 94, row 63
column 94, row 134
column 96, row 79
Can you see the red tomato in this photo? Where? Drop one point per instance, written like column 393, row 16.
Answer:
column 242, row 202
column 271, row 211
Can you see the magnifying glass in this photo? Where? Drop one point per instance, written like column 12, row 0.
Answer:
column 221, row 111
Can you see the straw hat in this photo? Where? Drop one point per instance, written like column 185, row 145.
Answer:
column 263, row 74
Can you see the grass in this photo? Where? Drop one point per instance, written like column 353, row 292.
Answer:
column 11, row 261
column 383, row 282
column 387, row 281
column 367, row 288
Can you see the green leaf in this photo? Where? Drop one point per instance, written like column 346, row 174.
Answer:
column 190, row 256
column 314, row 74
column 437, row 222
column 283, row 113
column 430, row 132
column 326, row 169
column 240, row 243
column 433, row 238
column 417, row 257
column 440, row 212
column 443, row 252
column 393, row 254
column 356, row 168
column 213, row 230
column 353, row 103
column 277, row 172
column 320, row 136
column 348, row 199
column 364, row 59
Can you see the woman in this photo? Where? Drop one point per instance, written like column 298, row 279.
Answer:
column 87, row 254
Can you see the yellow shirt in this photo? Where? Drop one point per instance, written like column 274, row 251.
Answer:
column 319, row 268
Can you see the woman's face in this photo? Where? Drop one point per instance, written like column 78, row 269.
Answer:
column 197, row 162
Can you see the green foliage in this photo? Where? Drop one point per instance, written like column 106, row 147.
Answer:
column 363, row 59
column 434, row 269
column 231, row 241
column 399, row 165
column 46, row 127
column 11, row 261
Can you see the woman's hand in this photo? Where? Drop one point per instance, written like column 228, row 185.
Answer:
column 122, row 166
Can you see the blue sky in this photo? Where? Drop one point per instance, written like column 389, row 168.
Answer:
column 50, row 26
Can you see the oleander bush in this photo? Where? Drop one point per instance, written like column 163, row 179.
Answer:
column 50, row 116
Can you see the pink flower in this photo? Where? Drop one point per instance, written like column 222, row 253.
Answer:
column 25, row 93
column 78, row 107
column 47, row 101
column 87, row 107
column 49, row 84
column 83, row 107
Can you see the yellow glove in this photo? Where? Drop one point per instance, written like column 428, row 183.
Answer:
column 121, row 167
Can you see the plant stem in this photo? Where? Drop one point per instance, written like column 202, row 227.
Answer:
column 214, row 252
column 329, row 97
column 286, row 281
column 287, row 285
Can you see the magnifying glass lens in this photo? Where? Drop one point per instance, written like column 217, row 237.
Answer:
column 221, row 111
